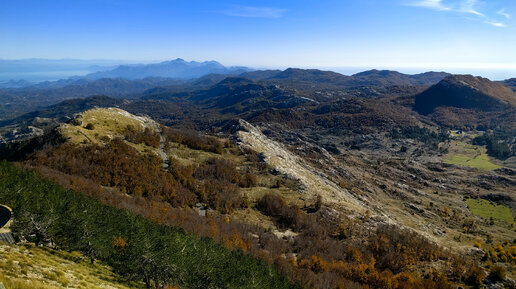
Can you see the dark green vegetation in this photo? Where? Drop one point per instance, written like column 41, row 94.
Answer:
column 500, row 142
column 422, row 134
column 135, row 247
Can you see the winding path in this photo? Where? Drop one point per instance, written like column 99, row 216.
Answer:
column 161, row 149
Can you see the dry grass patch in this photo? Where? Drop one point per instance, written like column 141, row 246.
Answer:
column 27, row 266
column 101, row 124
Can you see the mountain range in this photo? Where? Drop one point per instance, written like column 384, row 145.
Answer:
column 178, row 68
column 426, row 91
column 27, row 72
column 320, row 78
column 359, row 181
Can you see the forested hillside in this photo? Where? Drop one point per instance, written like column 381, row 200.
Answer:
column 133, row 246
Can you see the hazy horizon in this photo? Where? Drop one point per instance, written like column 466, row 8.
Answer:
column 417, row 35
column 38, row 75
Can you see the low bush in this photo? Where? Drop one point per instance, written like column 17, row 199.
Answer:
column 147, row 136
column 194, row 140
column 285, row 216
column 497, row 273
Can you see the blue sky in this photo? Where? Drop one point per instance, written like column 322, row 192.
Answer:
column 458, row 35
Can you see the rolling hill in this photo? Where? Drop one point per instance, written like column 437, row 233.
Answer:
column 510, row 83
column 387, row 77
column 320, row 78
column 466, row 92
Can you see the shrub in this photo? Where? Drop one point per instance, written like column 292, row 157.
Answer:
column 271, row 205
column 286, row 216
column 248, row 180
column 476, row 276
column 147, row 136
column 497, row 273
column 422, row 134
column 115, row 165
column 194, row 140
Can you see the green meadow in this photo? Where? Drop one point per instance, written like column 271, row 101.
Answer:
column 487, row 209
column 467, row 155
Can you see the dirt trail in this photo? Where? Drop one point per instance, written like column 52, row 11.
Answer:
column 161, row 148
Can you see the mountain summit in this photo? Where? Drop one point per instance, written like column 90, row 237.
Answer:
column 466, row 91
column 177, row 68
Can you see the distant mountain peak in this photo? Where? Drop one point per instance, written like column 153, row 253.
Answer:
column 466, row 91
column 309, row 75
column 173, row 61
column 212, row 62
column 234, row 80
column 375, row 77
column 376, row 72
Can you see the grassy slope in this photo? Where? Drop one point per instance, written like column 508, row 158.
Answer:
column 480, row 162
column 187, row 156
column 27, row 266
column 291, row 164
column 110, row 122
column 487, row 209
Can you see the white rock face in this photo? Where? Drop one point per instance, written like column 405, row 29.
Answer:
column 277, row 156
column 144, row 121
